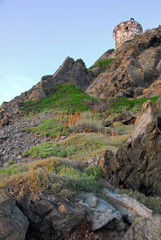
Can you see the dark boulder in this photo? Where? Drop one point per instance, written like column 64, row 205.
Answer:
column 13, row 223
column 50, row 216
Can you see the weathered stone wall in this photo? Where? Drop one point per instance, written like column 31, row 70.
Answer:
column 126, row 31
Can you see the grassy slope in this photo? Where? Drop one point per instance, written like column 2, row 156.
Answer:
column 62, row 97
column 64, row 176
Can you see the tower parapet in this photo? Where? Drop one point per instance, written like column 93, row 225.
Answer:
column 126, row 31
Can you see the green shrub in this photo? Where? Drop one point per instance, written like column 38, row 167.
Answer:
column 53, row 175
column 87, row 144
column 49, row 128
column 12, row 170
column 93, row 171
column 10, row 162
column 49, row 149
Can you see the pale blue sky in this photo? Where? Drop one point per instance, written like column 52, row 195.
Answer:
column 37, row 35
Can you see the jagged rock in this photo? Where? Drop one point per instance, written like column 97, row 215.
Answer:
column 153, row 90
column 100, row 213
column 146, row 228
column 70, row 71
column 131, row 70
column 36, row 94
column 137, row 164
column 104, row 160
column 49, row 215
column 138, row 91
column 13, row 223
column 145, row 119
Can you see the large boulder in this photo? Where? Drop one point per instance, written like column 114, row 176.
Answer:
column 137, row 164
column 129, row 208
column 13, row 223
column 73, row 72
column 100, row 213
column 50, row 216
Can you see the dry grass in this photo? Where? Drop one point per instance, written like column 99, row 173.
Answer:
column 88, row 145
column 52, row 175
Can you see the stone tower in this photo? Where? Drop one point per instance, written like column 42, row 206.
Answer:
column 126, row 31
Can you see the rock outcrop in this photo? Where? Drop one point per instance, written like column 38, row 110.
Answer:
column 153, row 90
column 48, row 216
column 137, row 164
column 70, row 71
column 13, row 223
column 146, row 228
column 135, row 67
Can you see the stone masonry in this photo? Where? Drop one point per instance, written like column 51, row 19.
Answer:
column 126, row 31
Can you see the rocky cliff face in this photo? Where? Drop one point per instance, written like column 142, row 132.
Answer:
column 135, row 67
column 137, row 164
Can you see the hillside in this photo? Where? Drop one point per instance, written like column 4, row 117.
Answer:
column 136, row 65
column 80, row 152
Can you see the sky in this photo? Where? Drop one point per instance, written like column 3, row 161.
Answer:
column 37, row 35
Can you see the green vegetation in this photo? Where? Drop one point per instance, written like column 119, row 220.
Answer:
column 10, row 162
column 121, row 104
column 48, row 149
column 11, row 170
column 62, row 97
column 102, row 63
column 87, row 144
column 52, row 175
column 153, row 203
column 49, row 128
column 94, row 171
column 79, row 146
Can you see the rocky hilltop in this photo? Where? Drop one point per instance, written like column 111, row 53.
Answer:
column 136, row 65
column 75, row 166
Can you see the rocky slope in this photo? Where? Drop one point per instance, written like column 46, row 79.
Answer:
column 135, row 71
column 75, row 195
column 73, row 72
column 135, row 67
